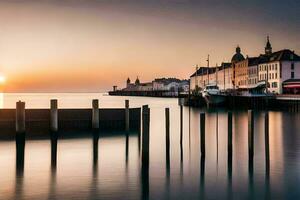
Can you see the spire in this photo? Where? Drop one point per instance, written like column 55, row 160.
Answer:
column 137, row 81
column 268, row 48
column 128, row 80
column 238, row 49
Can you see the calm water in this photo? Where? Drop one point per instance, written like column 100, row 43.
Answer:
column 117, row 175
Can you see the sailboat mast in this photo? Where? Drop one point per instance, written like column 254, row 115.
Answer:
column 208, row 69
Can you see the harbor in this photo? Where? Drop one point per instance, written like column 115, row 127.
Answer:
column 176, row 146
column 149, row 100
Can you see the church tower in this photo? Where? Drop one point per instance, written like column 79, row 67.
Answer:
column 137, row 81
column 128, row 82
column 268, row 48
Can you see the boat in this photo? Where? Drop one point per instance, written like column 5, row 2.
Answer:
column 213, row 96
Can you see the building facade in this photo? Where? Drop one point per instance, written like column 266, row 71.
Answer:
column 281, row 67
column 277, row 72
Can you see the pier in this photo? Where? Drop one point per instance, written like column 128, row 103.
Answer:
column 150, row 93
column 42, row 122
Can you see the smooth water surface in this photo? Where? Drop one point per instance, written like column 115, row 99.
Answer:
column 117, row 173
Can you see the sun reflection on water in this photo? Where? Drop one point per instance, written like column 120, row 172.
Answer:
column 1, row 99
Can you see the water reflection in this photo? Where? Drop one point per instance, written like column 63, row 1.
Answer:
column 1, row 99
column 110, row 167
column 52, row 182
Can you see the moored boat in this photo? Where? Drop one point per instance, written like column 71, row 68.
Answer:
column 213, row 95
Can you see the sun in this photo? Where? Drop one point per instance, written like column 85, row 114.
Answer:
column 2, row 79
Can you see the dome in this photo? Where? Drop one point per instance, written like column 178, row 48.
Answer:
column 237, row 57
column 128, row 80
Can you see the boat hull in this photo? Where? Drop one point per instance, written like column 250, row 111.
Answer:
column 214, row 99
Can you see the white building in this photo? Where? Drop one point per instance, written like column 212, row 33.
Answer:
column 220, row 75
column 280, row 68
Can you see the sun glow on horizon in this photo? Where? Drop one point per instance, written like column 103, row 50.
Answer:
column 2, row 79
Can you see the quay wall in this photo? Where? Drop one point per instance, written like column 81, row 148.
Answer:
column 290, row 104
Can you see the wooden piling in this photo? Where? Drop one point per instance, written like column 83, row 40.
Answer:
column 145, row 136
column 20, row 117
column 54, row 138
column 95, row 146
column 202, row 133
column 145, row 152
column 53, row 131
column 95, row 114
column 251, row 134
column 53, row 115
column 229, row 142
column 127, row 116
column 20, row 134
column 167, row 115
column 181, row 133
column 267, row 146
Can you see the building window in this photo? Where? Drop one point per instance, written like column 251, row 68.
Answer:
column 276, row 75
column 292, row 75
column 292, row 66
column 275, row 66
column 274, row 85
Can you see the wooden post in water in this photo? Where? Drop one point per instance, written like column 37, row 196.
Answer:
column 20, row 117
column 181, row 133
column 267, row 146
column 145, row 152
column 95, row 114
column 95, row 127
column 167, row 114
column 229, row 133
column 251, row 134
column 127, row 116
column 53, row 131
column 145, row 136
column 53, row 115
column 20, row 134
column 202, row 133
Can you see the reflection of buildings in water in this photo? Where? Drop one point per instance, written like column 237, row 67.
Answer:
column 276, row 149
column 240, row 146
column 290, row 140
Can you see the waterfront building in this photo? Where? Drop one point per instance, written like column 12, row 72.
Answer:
column 145, row 86
column 276, row 72
column 159, row 84
column 246, row 73
column 252, row 77
column 170, row 84
column 225, row 76
column 219, row 75
column 237, row 70
column 281, row 72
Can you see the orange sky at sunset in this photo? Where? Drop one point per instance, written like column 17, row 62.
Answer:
column 88, row 46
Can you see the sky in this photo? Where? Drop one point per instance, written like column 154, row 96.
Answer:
column 91, row 45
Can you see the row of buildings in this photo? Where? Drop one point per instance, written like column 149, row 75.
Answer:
column 159, row 84
column 276, row 72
